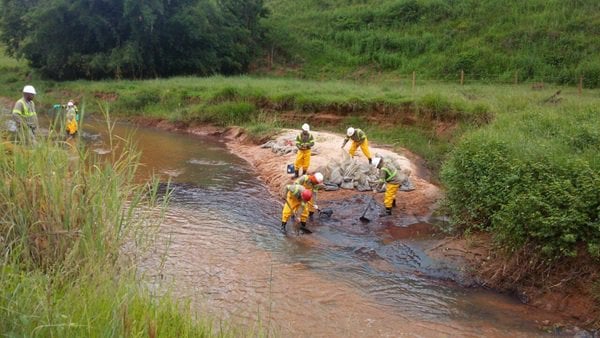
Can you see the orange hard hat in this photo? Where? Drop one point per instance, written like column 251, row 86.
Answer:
column 306, row 195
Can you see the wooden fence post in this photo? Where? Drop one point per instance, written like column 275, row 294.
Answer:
column 517, row 77
column 580, row 87
column 462, row 77
column 414, row 79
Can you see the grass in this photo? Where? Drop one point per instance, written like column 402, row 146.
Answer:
column 489, row 40
column 428, row 119
column 67, row 217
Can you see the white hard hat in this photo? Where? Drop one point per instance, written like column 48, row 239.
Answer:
column 29, row 89
column 350, row 131
column 306, row 127
column 70, row 104
column 319, row 178
column 376, row 161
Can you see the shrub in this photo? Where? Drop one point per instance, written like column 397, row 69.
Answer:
column 522, row 197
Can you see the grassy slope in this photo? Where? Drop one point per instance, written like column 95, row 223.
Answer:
column 554, row 41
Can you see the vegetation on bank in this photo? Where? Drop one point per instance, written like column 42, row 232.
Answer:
column 72, row 225
column 113, row 39
column 496, row 41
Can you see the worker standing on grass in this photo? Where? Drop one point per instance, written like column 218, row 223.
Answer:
column 312, row 183
column 71, row 119
column 296, row 196
column 392, row 177
column 359, row 139
column 304, row 141
column 25, row 116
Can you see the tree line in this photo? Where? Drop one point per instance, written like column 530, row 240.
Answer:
column 100, row 39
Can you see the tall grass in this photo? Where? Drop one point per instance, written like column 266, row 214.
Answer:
column 71, row 227
column 491, row 40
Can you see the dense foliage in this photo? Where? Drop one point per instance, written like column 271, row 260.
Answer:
column 532, row 180
column 538, row 40
column 69, row 39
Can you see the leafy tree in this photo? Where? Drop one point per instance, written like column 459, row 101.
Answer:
column 68, row 39
column 242, row 32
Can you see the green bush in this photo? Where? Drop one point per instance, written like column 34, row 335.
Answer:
column 552, row 207
column 478, row 176
column 524, row 198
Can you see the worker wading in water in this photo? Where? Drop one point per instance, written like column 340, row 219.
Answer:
column 304, row 142
column 313, row 183
column 359, row 139
column 297, row 196
column 71, row 120
column 392, row 177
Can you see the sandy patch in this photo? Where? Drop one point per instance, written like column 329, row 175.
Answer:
column 272, row 168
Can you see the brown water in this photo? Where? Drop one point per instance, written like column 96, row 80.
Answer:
column 221, row 248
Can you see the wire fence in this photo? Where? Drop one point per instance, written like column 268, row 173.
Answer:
column 462, row 78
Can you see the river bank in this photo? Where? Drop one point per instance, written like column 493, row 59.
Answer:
column 553, row 310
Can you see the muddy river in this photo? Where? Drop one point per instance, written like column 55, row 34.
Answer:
column 220, row 248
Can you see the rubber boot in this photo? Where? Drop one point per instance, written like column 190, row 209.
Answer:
column 303, row 228
column 283, row 226
column 388, row 212
column 370, row 160
column 310, row 215
column 296, row 174
column 394, row 203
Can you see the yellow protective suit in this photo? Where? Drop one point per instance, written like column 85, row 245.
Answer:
column 364, row 146
column 304, row 141
column 293, row 202
column 71, row 127
column 359, row 139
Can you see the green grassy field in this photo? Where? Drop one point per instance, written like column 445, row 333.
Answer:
column 490, row 40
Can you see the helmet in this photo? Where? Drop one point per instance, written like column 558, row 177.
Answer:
column 306, row 195
column 29, row 89
column 70, row 104
column 376, row 161
column 318, row 177
column 350, row 131
column 306, row 127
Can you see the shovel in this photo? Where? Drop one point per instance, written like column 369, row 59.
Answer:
column 362, row 217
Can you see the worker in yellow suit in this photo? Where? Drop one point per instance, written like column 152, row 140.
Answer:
column 25, row 116
column 71, row 119
column 304, row 142
column 359, row 139
column 297, row 196
column 392, row 177
column 312, row 182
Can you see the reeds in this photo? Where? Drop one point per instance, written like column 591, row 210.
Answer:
column 72, row 225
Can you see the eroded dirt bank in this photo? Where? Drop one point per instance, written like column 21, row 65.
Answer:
column 561, row 307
